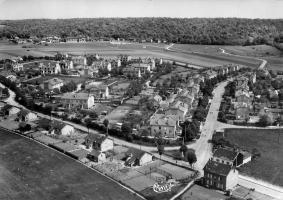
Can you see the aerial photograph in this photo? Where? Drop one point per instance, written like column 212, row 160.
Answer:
column 141, row 99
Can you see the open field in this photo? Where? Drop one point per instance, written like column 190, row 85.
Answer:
column 268, row 142
column 30, row 171
column 257, row 50
column 197, row 192
column 66, row 79
column 135, row 49
column 275, row 63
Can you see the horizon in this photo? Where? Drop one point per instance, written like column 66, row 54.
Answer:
column 69, row 9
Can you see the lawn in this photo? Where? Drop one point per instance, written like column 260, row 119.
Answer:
column 269, row 142
column 30, row 171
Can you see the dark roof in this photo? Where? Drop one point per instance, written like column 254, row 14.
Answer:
column 225, row 154
column 95, row 138
column 23, row 112
column 94, row 153
column 134, row 154
column 217, row 168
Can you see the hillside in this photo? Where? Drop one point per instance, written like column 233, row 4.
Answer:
column 229, row 31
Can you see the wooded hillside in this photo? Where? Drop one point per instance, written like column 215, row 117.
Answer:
column 177, row 30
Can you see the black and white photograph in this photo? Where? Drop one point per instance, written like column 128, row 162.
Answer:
column 141, row 99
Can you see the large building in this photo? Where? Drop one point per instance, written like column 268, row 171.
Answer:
column 79, row 60
column 136, row 69
column 220, row 176
column 162, row 125
column 76, row 100
column 50, row 67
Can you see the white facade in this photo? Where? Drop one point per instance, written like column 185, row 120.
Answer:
column 67, row 130
column 232, row 179
column 146, row 158
column 106, row 145
column 50, row 68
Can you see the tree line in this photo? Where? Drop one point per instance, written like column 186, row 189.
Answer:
column 217, row 31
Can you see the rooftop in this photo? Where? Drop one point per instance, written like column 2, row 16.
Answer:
column 79, row 96
column 225, row 154
column 217, row 168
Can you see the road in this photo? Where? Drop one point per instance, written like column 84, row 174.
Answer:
column 203, row 147
column 263, row 62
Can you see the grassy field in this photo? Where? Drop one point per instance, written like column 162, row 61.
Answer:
column 269, row 143
column 30, row 171
column 66, row 79
column 136, row 49
column 201, row 193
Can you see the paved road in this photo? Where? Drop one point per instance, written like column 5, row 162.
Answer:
column 202, row 147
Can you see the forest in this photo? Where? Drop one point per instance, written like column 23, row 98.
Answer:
column 216, row 31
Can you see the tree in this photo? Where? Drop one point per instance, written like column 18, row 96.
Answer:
column 160, row 149
column 126, row 129
column 183, row 149
column 191, row 156
column 106, row 124
column 266, row 120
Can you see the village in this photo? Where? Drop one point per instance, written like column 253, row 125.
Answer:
column 85, row 105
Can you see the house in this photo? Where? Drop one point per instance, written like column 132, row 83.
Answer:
column 136, row 69
column 220, row 176
column 59, row 128
column 243, row 96
column 52, row 84
column 247, row 156
column 98, row 142
column 50, row 67
column 10, row 110
column 209, row 74
column 163, row 125
column 76, row 100
column 96, row 156
column 79, row 60
column 66, row 65
column 98, row 89
column 228, row 156
column 125, row 58
column 136, row 157
column 75, row 39
column 242, row 112
column 176, row 113
column 27, row 116
column 9, row 75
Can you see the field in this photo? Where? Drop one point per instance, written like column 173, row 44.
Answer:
column 66, row 79
column 197, row 192
column 268, row 142
column 135, row 49
column 271, row 54
column 30, row 171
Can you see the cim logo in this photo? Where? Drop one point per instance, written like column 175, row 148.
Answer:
column 163, row 187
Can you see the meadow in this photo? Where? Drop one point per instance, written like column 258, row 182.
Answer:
column 268, row 143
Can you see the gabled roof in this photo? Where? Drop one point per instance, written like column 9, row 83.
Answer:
column 162, row 120
column 226, row 154
column 23, row 113
column 134, row 154
column 95, row 138
column 217, row 168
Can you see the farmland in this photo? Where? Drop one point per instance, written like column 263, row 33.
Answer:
column 268, row 142
column 30, row 171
